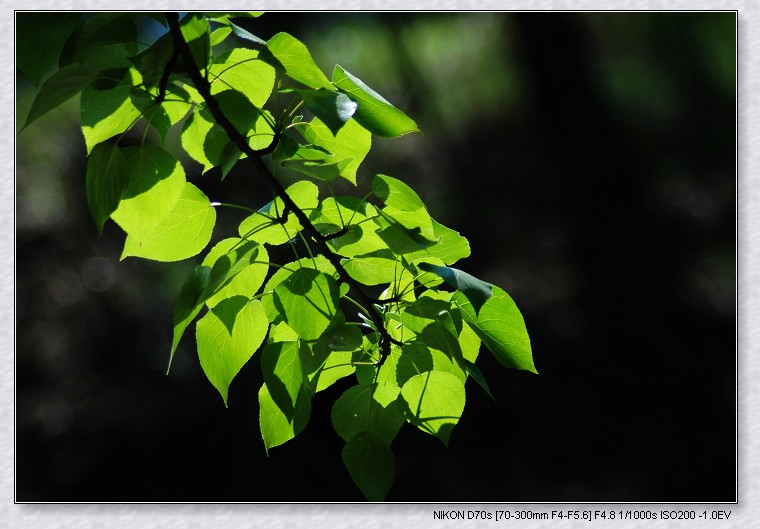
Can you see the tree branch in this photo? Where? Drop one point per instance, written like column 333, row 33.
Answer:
column 240, row 140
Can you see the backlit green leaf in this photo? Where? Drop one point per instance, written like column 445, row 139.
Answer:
column 325, row 367
column 373, row 113
column 227, row 337
column 107, row 178
column 103, row 42
column 245, row 34
column 283, row 373
column 501, row 327
column 375, row 268
column 182, row 233
column 188, row 304
column 400, row 239
column 106, row 113
column 308, row 301
column 228, row 259
column 319, row 262
column 195, row 31
column 241, row 69
column 320, row 170
column 368, row 408
column 264, row 227
column 290, row 56
column 343, row 338
column 152, row 62
column 277, row 426
column 156, row 181
column 59, row 88
column 361, row 237
column 417, row 222
column 435, row 401
column 395, row 193
column 250, row 268
column 371, row 465
column 39, row 41
column 310, row 160
column 218, row 35
column 334, row 109
column 450, row 246
column 477, row 291
column 477, row 375
column 352, row 142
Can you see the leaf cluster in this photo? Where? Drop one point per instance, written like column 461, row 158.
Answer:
column 312, row 321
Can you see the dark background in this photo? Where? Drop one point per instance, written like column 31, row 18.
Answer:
column 590, row 161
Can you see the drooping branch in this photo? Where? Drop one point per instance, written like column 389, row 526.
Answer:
column 241, row 142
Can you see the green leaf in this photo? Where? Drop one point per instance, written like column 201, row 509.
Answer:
column 450, row 247
column 260, row 226
column 59, row 88
column 404, row 363
column 396, row 194
column 417, row 224
column 435, row 401
column 477, row 291
column 182, row 233
column 430, row 351
column 106, row 113
column 319, row 263
column 283, row 373
column 228, row 259
column 422, row 312
column 477, row 375
column 107, row 179
column 219, row 35
column 371, row 465
column 343, row 338
column 245, row 264
column 156, row 181
column 215, row 280
column 501, row 327
column 469, row 342
column 352, row 142
column 152, row 62
column 278, row 427
column 318, row 169
column 245, row 34
column 310, row 160
column 334, row 109
column 368, row 408
column 308, row 301
column 195, row 30
column 400, row 239
column 227, row 337
column 188, row 304
column 39, row 40
column 177, row 103
column 208, row 143
column 361, row 237
column 373, row 112
column 289, row 55
column 105, row 41
column 242, row 70
column 325, row 367
column 194, row 133
column 245, row 117
column 375, row 268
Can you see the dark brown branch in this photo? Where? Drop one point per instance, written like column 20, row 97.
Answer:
column 239, row 139
column 164, row 82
